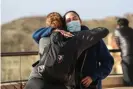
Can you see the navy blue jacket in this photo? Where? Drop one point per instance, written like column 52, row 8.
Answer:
column 98, row 63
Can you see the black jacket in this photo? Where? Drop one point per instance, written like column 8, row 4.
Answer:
column 124, row 40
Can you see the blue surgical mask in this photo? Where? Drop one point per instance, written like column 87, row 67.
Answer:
column 74, row 26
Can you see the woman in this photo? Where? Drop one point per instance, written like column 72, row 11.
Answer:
column 97, row 63
column 92, row 73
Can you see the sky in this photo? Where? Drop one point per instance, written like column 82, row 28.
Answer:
column 87, row 9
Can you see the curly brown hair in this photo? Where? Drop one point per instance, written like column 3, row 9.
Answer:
column 54, row 20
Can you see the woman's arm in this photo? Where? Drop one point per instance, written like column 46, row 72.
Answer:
column 42, row 32
column 47, row 31
column 87, row 38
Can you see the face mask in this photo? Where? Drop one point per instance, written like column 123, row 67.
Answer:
column 74, row 26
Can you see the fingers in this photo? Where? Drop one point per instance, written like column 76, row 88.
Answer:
column 86, row 81
column 87, row 84
column 66, row 34
column 56, row 30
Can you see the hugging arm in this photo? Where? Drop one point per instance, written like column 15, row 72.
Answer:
column 86, row 39
column 42, row 32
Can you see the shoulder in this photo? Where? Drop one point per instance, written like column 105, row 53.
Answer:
column 83, row 27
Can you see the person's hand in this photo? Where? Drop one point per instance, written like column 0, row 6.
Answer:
column 64, row 33
column 56, row 30
column 86, row 81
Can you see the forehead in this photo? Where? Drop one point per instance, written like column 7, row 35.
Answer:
column 71, row 15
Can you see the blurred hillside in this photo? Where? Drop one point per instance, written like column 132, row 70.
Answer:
column 16, row 36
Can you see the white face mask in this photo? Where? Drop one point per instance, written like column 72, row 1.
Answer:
column 74, row 26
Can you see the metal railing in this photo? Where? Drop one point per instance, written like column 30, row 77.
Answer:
column 5, row 54
column 36, row 52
